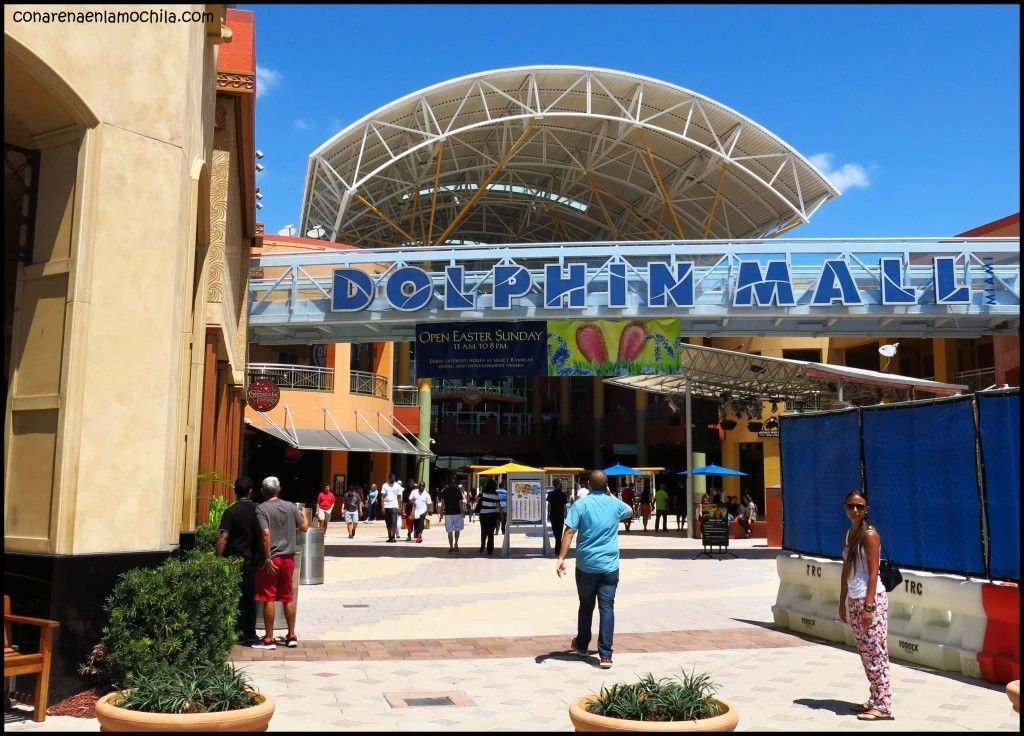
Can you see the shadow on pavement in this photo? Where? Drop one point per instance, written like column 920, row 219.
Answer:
column 564, row 656
column 839, row 707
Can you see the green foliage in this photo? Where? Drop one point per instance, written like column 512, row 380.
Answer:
column 179, row 614
column 191, row 688
column 206, row 535
column 686, row 698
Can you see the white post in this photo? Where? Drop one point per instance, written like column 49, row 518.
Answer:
column 691, row 520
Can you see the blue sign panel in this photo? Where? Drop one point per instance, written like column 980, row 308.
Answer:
column 481, row 349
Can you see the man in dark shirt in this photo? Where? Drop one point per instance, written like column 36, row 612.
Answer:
column 452, row 505
column 240, row 536
column 556, row 511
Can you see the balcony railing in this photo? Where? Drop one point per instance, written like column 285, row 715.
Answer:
column 368, row 384
column 300, row 377
column 404, row 396
column 977, row 380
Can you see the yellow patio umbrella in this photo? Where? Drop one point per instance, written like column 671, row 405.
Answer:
column 510, row 468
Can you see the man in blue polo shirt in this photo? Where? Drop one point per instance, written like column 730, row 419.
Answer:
column 596, row 518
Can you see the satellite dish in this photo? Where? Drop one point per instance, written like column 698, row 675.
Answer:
column 888, row 351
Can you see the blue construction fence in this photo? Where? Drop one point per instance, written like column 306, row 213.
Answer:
column 942, row 480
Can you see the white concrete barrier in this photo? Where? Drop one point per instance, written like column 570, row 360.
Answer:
column 808, row 599
column 934, row 620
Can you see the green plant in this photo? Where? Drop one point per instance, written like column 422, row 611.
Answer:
column 191, row 688
column 206, row 535
column 688, row 697
column 179, row 614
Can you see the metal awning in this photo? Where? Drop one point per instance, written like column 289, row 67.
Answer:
column 715, row 373
column 345, row 440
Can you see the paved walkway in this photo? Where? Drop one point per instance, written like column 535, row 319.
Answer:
column 406, row 620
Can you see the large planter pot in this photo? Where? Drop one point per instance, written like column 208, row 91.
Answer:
column 1013, row 692
column 583, row 720
column 254, row 718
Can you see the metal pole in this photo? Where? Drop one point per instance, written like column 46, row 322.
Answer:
column 689, row 466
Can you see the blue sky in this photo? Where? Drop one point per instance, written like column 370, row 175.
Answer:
column 914, row 111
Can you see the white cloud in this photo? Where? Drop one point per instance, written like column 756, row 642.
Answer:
column 301, row 124
column 847, row 176
column 266, row 80
column 288, row 230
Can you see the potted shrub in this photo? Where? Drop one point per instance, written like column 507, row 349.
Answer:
column 681, row 703
column 166, row 647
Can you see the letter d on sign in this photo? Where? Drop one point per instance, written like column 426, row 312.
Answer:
column 353, row 290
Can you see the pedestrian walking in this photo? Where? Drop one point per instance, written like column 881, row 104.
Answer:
column 490, row 515
column 353, row 504
column 420, row 498
column 645, row 503
column 324, row 506
column 596, row 520
column 864, row 604
column 452, row 505
column 661, row 508
column 556, row 511
column 470, row 503
column 391, row 500
column 279, row 521
column 407, row 517
column 371, row 502
column 503, row 500
column 241, row 536
column 748, row 514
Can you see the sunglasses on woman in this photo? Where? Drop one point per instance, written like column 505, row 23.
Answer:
column 852, row 506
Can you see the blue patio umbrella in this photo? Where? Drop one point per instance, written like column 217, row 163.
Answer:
column 620, row 469
column 712, row 470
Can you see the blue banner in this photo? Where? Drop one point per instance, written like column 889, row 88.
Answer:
column 922, row 486
column 820, row 465
column 481, row 349
column 999, row 421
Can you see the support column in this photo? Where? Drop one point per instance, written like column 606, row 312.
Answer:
column 403, row 350
column 641, row 426
column 564, row 403
column 535, row 412
column 598, row 419
column 944, row 360
column 423, row 396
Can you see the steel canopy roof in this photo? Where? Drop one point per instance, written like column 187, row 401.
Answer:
column 750, row 379
column 562, row 153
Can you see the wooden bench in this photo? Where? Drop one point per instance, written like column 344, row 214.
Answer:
column 16, row 663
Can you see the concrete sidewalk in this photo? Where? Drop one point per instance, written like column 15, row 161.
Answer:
column 491, row 634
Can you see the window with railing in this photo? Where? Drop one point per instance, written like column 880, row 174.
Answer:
column 368, row 384
column 296, row 377
column 404, row 396
column 977, row 380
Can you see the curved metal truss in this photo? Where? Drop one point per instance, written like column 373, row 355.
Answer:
column 543, row 154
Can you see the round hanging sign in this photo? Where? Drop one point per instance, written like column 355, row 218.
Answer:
column 472, row 396
column 263, row 394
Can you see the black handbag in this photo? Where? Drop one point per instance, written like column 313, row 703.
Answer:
column 889, row 573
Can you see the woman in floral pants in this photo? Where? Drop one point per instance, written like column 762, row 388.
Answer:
column 864, row 603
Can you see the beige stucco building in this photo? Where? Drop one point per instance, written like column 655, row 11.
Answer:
column 129, row 192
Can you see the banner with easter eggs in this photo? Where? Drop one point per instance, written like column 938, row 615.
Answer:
column 586, row 347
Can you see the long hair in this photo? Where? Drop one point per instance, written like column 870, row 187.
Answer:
column 857, row 540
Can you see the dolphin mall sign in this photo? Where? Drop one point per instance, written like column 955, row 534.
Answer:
column 919, row 287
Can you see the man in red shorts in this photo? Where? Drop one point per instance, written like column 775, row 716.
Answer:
column 279, row 520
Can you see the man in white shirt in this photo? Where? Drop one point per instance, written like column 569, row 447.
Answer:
column 420, row 498
column 583, row 490
column 391, row 498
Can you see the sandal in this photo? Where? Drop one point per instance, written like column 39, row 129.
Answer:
column 860, row 708
column 875, row 715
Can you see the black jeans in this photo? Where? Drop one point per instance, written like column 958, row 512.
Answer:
column 488, row 524
column 417, row 525
column 596, row 587
column 557, row 527
column 659, row 517
column 246, row 624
